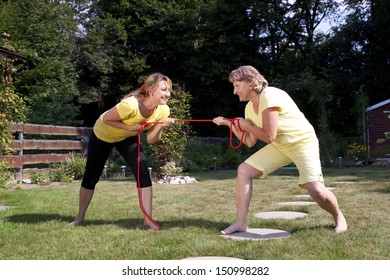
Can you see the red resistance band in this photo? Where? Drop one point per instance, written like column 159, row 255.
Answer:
column 232, row 122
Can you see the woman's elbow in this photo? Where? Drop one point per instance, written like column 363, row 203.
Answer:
column 271, row 139
column 151, row 140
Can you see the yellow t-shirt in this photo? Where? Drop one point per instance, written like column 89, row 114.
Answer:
column 292, row 124
column 129, row 112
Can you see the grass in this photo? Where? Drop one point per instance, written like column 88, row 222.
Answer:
column 191, row 217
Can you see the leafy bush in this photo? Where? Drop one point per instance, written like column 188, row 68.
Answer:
column 170, row 169
column 72, row 168
column 202, row 156
column 75, row 166
column 5, row 176
column 39, row 177
column 174, row 138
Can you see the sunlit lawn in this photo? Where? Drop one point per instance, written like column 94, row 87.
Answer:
column 191, row 217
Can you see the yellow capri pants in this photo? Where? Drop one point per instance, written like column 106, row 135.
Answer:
column 305, row 154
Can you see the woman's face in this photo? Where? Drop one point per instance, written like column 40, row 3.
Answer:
column 161, row 94
column 242, row 89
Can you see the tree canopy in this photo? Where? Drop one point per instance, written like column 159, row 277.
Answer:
column 84, row 55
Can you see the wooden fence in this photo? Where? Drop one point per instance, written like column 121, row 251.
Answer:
column 60, row 143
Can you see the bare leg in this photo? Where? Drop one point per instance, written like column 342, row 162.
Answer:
column 328, row 201
column 85, row 197
column 147, row 196
column 244, row 187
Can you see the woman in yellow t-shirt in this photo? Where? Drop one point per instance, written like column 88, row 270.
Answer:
column 273, row 117
column 119, row 127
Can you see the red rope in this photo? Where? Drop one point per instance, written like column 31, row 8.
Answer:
column 232, row 121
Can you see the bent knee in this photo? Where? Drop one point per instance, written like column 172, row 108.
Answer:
column 317, row 191
column 246, row 170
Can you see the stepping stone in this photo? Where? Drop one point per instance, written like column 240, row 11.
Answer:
column 2, row 208
column 258, row 234
column 210, row 258
column 302, row 196
column 344, row 182
column 300, row 203
column 287, row 215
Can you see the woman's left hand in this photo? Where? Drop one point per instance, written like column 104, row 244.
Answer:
column 167, row 121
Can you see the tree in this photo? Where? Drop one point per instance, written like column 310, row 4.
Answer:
column 301, row 42
column 12, row 106
column 46, row 37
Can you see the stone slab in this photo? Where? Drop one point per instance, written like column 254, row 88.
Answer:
column 302, row 196
column 297, row 203
column 2, row 208
column 258, row 234
column 286, row 215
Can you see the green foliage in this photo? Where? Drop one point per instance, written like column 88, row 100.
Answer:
column 74, row 166
column 170, row 169
column 70, row 169
column 12, row 106
column 174, row 138
column 39, row 177
column 91, row 53
column 5, row 176
column 358, row 153
column 46, row 37
column 201, row 155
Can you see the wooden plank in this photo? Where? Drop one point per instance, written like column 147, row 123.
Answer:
column 13, row 161
column 48, row 145
column 34, row 129
column 20, row 161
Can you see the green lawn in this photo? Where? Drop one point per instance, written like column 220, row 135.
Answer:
column 191, row 217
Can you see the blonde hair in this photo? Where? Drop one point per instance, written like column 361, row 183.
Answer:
column 150, row 84
column 249, row 74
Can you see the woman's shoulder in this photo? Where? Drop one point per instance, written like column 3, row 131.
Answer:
column 129, row 102
column 163, row 108
column 273, row 90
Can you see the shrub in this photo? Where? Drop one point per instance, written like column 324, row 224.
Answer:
column 5, row 176
column 39, row 177
column 201, row 155
column 170, row 169
column 75, row 166
column 174, row 138
column 72, row 168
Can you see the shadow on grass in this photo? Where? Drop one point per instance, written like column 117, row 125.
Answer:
column 311, row 228
column 38, row 218
column 137, row 224
column 124, row 223
column 383, row 190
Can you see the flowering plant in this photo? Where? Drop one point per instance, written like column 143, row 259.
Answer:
column 357, row 152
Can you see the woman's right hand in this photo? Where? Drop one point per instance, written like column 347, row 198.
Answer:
column 220, row 121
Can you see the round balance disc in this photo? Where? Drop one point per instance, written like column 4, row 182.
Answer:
column 258, row 234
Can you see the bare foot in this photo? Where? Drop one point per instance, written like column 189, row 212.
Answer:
column 341, row 224
column 234, row 228
column 77, row 221
column 151, row 225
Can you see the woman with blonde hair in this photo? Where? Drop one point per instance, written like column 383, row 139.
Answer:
column 273, row 117
column 119, row 127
